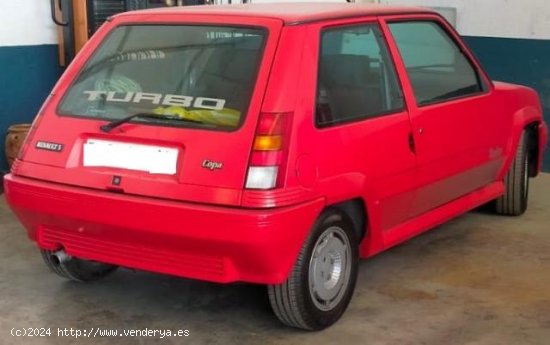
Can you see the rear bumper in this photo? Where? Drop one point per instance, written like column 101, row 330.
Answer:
column 212, row 243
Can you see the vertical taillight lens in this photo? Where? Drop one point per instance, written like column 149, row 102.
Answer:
column 269, row 151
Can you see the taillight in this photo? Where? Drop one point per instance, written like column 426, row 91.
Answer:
column 269, row 151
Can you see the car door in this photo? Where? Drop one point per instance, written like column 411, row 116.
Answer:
column 360, row 139
column 455, row 125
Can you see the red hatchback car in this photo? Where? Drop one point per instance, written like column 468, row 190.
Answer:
column 271, row 144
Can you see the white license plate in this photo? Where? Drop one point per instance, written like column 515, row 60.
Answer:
column 112, row 154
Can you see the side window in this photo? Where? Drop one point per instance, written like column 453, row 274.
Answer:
column 356, row 77
column 437, row 68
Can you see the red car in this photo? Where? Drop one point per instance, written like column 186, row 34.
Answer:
column 270, row 144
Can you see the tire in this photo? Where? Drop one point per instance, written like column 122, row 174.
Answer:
column 321, row 283
column 515, row 199
column 76, row 269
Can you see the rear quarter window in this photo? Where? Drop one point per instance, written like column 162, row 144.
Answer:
column 186, row 75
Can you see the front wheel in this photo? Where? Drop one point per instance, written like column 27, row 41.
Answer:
column 515, row 199
column 321, row 283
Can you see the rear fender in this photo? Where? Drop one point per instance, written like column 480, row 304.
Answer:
column 336, row 189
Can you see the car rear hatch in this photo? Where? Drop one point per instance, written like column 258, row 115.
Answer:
column 198, row 82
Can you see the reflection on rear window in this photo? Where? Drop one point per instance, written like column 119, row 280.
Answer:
column 185, row 75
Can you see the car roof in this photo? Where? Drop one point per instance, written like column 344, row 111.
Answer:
column 289, row 13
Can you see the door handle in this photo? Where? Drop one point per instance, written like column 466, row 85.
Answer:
column 412, row 144
column 54, row 17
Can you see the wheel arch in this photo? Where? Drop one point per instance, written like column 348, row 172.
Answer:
column 356, row 210
column 526, row 119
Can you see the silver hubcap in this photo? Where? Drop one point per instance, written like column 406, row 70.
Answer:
column 330, row 268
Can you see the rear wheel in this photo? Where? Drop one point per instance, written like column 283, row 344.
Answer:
column 515, row 199
column 75, row 269
column 321, row 283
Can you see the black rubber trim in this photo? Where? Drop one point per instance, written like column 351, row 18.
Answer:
column 2, row 174
column 356, row 15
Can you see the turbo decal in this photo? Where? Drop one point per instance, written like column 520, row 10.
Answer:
column 157, row 99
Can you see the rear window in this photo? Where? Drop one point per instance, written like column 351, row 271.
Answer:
column 184, row 75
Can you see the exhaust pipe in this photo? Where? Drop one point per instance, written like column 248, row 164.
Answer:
column 62, row 256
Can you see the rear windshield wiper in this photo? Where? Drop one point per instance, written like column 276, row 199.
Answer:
column 114, row 124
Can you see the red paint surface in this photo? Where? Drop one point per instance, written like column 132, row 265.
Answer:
column 203, row 224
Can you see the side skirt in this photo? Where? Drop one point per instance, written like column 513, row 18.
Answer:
column 442, row 214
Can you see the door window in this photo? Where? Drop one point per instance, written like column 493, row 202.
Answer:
column 437, row 67
column 356, row 77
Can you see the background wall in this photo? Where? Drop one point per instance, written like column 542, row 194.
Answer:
column 511, row 38
column 28, row 62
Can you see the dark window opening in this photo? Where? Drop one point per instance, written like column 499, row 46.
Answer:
column 437, row 67
column 356, row 78
column 187, row 75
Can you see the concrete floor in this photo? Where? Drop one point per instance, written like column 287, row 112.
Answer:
column 480, row 279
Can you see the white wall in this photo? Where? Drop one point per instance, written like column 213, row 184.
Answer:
column 495, row 18
column 26, row 22
column 492, row 18
column 275, row 1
